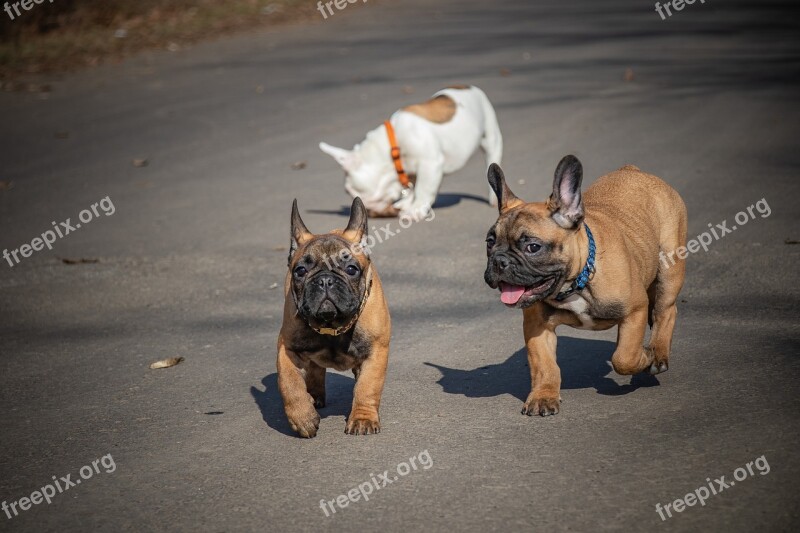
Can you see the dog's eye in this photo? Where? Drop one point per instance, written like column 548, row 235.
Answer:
column 300, row 271
column 490, row 240
column 352, row 270
column 533, row 247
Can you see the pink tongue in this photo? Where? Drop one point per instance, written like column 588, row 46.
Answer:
column 510, row 294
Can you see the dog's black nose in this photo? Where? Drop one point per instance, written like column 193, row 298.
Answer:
column 326, row 282
column 501, row 263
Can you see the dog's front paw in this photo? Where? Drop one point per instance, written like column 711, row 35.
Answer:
column 416, row 212
column 304, row 421
column 362, row 426
column 541, row 405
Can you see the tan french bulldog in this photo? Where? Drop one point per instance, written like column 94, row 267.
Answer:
column 335, row 316
column 589, row 261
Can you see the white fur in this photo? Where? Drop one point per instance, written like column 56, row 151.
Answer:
column 577, row 305
column 428, row 149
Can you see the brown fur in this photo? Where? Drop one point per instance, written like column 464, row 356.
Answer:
column 439, row 109
column 304, row 354
column 633, row 216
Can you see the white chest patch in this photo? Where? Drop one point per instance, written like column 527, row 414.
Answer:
column 579, row 307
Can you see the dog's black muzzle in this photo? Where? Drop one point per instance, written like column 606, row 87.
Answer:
column 328, row 299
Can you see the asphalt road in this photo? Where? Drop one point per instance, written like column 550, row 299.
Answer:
column 199, row 237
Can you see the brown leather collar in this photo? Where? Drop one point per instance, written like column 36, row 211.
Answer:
column 402, row 177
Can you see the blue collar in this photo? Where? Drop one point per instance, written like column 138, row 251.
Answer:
column 586, row 274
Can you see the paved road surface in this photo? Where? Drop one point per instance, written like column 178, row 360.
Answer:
column 200, row 235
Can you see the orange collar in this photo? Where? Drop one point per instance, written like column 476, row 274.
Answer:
column 398, row 164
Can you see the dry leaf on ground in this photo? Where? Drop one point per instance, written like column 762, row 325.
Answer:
column 166, row 363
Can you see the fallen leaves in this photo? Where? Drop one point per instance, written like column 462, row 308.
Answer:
column 628, row 76
column 166, row 363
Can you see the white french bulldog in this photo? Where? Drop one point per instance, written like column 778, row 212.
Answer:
column 435, row 138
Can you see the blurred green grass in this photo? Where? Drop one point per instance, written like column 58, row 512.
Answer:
column 72, row 33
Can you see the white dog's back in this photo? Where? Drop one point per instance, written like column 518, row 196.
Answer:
column 473, row 124
column 435, row 137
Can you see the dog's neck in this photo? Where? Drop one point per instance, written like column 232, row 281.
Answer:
column 579, row 251
column 376, row 151
column 375, row 147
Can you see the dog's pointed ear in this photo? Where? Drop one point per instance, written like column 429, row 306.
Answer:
column 348, row 159
column 357, row 226
column 300, row 234
column 566, row 203
column 505, row 198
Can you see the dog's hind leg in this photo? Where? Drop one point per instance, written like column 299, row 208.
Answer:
column 631, row 357
column 665, row 292
column 492, row 140
column 652, row 291
column 493, row 148
column 315, row 383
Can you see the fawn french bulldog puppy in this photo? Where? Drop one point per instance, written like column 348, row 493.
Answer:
column 335, row 316
column 589, row 261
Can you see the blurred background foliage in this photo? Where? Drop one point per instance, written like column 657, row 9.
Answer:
column 66, row 34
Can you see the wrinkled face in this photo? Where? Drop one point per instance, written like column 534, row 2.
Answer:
column 528, row 257
column 531, row 245
column 328, row 281
column 377, row 187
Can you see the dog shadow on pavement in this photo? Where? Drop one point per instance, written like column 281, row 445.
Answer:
column 442, row 201
column 339, row 399
column 584, row 364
